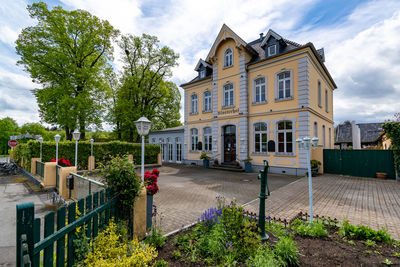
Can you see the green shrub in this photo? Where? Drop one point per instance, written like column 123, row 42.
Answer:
column 161, row 263
column 287, row 250
column 264, row 257
column 155, row 238
column 311, row 229
column 364, row 233
column 101, row 151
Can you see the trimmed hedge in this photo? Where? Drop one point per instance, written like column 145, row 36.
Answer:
column 101, row 151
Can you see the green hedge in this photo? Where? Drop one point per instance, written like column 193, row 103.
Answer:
column 101, row 151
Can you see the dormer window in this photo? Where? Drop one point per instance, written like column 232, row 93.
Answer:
column 202, row 73
column 271, row 50
column 228, row 58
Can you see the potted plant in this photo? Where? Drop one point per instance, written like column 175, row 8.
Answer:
column 247, row 165
column 382, row 175
column 150, row 181
column 315, row 166
column 62, row 162
column 206, row 160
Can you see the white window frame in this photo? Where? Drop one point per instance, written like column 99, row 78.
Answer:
column 285, row 131
column 178, row 145
column 290, row 71
column 207, row 104
column 230, row 92
column 194, row 104
column 258, row 87
column 258, row 135
column 202, row 73
column 228, row 57
column 326, row 101
column 207, row 138
column 161, row 140
column 269, row 50
column 319, row 94
column 194, row 139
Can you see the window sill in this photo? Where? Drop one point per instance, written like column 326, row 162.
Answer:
column 191, row 113
column 206, row 111
column 227, row 67
column 284, row 99
column 194, row 151
column 259, row 103
column 284, row 154
column 260, row 154
column 225, row 107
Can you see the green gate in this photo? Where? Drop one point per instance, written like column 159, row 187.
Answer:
column 359, row 162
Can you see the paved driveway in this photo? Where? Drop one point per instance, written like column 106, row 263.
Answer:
column 186, row 191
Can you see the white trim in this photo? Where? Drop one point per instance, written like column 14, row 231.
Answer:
column 276, row 131
column 202, row 62
column 204, row 101
column 269, row 34
column 269, row 52
column 254, row 89
column 223, row 94
column 253, row 134
column 192, row 111
column 204, row 139
column 191, row 141
column 224, row 54
column 277, row 85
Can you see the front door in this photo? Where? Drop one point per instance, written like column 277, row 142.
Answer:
column 229, row 143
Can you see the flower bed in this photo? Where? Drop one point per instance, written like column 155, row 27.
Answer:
column 224, row 236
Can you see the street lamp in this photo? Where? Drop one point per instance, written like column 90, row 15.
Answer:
column 40, row 141
column 57, row 138
column 307, row 143
column 76, row 134
column 143, row 128
column 91, row 154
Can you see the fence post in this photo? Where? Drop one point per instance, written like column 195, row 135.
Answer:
column 33, row 165
column 139, row 215
column 50, row 173
column 25, row 218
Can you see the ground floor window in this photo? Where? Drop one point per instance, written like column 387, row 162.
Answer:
column 207, row 139
column 285, row 137
column 260, row 137
column 178, row 152
column 194, row 139
column 170, row 151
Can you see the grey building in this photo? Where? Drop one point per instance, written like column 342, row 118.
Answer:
column 369, row 133
column 171, row 141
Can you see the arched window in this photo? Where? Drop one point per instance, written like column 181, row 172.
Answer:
column 194, row 104
column 260, row 94
column 207, row 138
column 228, row 58
column 260, row 137
column 228, row 95
column 319, row 94
column 194, row 139
column 323, row 135
column 315, row 129
column 285, row 136
column 170, row 149
column 207, row 101
column 326, row 101
column 284, row 81
column 178, row 146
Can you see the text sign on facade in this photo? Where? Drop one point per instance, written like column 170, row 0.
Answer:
column 228, row 111
column 12, row 143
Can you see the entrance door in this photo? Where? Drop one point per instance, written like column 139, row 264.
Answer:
column 229, row 143
column 179, row 152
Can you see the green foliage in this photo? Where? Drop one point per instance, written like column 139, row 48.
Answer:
column 155, row 238
column 315, row 163
column 277, row 229
column 33, row 128
column 370, row 243
column 66, row 53
column 161, row 263
column 387, row 262
column 392, row 130
column 311, row 229
column 101, row 151
column 143, row 89
column 288, row 251
column 8, row 127
column 81, row 244
column 364, row 233
column 204, row 156
column 264, row 257
column 121, row 177
column 176, row 254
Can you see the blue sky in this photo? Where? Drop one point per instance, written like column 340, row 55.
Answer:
column 361, row 41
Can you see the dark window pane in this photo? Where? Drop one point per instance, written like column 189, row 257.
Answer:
column 281, row 125
column 281, row 147
column 287, row 74
column 288, row 125
column 281, row 137
column 289, row 137
column 281, row 76
column 289, row 147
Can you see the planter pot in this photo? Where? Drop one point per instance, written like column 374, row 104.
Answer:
column 149, row 211
column 314, row 171
column 381, row 175
column 206, row 163
column 248, row 167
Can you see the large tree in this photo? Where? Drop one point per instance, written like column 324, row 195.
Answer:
column 8, row 127
column 143, row 88
column 66, row 53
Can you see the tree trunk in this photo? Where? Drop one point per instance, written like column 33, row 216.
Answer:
column 68, row 134
column 82, row 128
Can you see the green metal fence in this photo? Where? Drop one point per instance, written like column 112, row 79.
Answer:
column 94, row 214
column 40, row 169
column 359, row 162
column 84, row 186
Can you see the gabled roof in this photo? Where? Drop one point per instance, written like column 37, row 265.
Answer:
column 227, row 33
column 369, row 132
column 269, row 34
column 202, row 62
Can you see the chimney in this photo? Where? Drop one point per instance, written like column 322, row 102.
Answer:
column 261, row 36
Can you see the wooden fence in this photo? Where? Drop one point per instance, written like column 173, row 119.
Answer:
column 96, row 210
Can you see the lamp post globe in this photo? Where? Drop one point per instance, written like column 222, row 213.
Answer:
column 314, row 141
column 40, row 141
column 57, row 138
column 143, row 128
column 76, row 134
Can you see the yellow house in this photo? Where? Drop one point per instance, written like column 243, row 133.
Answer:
column 254, row 99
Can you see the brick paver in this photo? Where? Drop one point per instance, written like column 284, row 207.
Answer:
column 186, row 191
column 366, row 201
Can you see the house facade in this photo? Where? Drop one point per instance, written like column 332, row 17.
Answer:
column 254, row 99
column 171, row 143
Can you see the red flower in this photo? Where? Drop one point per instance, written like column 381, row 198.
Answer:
column 155, row 172
column 52, row 160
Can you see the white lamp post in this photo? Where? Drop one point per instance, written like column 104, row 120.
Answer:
column 143, row 128
column 40, row 141
column 91, row 154
column 76, row 134
column 307, row 143
column 57, row 138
